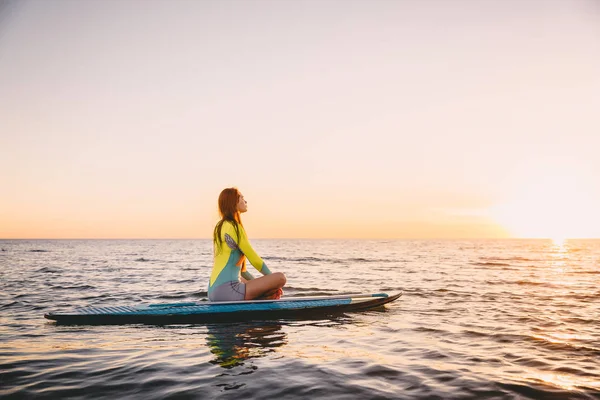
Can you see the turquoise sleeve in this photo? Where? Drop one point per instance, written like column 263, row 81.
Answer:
column 247, row 275
column 265, row 270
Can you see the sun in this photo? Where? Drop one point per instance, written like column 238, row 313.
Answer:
column 552, row 206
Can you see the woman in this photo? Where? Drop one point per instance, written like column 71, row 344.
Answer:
column 231, row 248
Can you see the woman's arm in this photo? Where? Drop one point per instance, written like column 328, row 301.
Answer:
column 247, row 275
column 251, row 255
column 242, row 243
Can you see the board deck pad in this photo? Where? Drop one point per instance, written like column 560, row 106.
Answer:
column 206, row 311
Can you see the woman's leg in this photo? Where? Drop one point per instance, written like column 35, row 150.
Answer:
column 261, row 286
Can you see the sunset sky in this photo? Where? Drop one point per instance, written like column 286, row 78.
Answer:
column 362, row 119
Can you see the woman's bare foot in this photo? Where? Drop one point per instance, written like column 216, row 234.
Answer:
column 272, row 295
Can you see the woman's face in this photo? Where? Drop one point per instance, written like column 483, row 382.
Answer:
column 242, row 206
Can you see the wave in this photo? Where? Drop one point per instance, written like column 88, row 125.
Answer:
column 584, row 297
column 38, row 251
column 181, row 281
column 584, row 321
column 311, row 291
column 495, row 264
column 48, row 270
column 516, row 258
column 519, row 282
column 582, row 349
column 173, row 296
column 316, row 293
column 370, row 260
column 329, row 260
column 531, row 283
column 9, row 305
column 474, row 334
column 424, row 329
column 536, row 390
column 548, row 343
column 81, row 287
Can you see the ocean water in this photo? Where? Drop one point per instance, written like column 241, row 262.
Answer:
column 478, row 319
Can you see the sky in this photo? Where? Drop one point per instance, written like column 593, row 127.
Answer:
column 335, row 119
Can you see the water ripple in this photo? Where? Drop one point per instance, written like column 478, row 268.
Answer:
column 478, row 319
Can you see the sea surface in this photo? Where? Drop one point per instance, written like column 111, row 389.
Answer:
column 505, row 319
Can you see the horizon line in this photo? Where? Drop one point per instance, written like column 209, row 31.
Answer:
column 309, row 238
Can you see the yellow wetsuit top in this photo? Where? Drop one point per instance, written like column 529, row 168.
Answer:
column 230, row 256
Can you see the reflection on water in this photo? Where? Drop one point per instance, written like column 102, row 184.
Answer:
column 231, row 344
column 560, row 255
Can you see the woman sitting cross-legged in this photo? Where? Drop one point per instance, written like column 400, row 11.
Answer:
column 229, row 280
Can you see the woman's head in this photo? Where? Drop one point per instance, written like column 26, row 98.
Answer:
column 231, row 204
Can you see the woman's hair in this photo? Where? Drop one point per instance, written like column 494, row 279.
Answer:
column 228, row 202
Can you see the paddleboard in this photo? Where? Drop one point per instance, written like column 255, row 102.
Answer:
column 206, row 311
